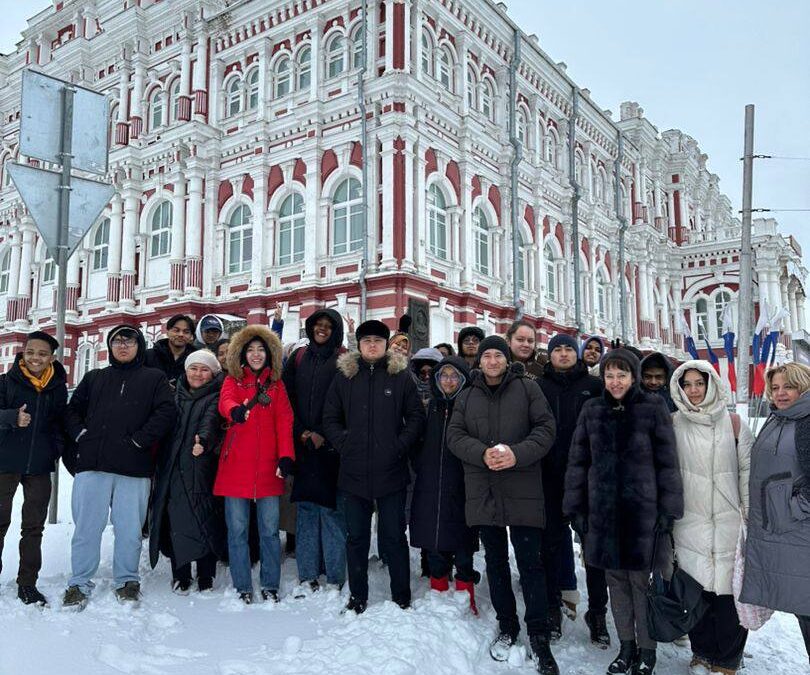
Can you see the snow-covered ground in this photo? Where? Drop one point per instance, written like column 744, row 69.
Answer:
column 215, row 634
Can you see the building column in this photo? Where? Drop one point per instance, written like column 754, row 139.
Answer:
column 259, row 218
column 388, row 206
column 408, row 262
column 265, row 54
column 466, row 251
column 200, row 72
column 416, row 39
column 122, row 124
column 794, row 310
column 128, row 271
column 312, row 215
column 114, row 253
column 136, row 102
column 210, row 229
column 389, row 35
column 184, row 103
column 72, row 301
column 800, row 316
column 315, row 26
column 194, row 225
column 178, row 249
column 24, row 279
column 419, row 210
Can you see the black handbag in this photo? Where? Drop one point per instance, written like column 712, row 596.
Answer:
column 674, row 607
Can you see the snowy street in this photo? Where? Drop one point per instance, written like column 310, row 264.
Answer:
column 215, row 634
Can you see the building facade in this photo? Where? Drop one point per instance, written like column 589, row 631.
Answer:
column 237, row 157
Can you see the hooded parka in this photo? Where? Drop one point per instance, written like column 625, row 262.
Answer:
column 186, row 519
column 251, row 450
column 308, row 374
column 714, row 467
column 31, row 450
column 120, row 414
column 777, row 554
column 518, row 415
column 161, row 357
column 373, row 417
column 437, row 509
column 623, row 474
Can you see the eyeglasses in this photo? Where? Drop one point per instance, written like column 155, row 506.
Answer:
column 124, row 342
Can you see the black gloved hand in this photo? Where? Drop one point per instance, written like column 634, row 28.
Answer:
column 286, row 466
column 238, row 413
column 664, row 524
column 579, row 523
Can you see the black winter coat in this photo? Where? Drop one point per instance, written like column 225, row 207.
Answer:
column 622, row 474
column 161, row 357
column 437, row 508
column 126, row 410
column 518, row 415
column 186, row 520
column 307, row 376
column 32, row 450
column 373, row 417
column 566, row 393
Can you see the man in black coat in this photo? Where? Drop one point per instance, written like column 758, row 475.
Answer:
column 116, row 417
column 567, row 386
column 500, row 429
column 373, row 417
column 33, row 396
column 656, row 372
column 320, row 533
column 469, row 338
column 169, row 354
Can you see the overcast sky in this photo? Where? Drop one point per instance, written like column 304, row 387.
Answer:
column 691, row 64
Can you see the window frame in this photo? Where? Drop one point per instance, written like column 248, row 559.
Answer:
column 303, row 68
column 156, row 109
column 162, row 235
column 233, row 97
column 437, row 222
column 282, row 79
column 481, row 241
column 335, row 56
column 244, row 238
column 252, row 89
column 292, row 223
column 101, row 249
column 346, row 211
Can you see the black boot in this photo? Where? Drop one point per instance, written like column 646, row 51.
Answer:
column 598, row 627
column 645, row 663
column 623, row 663
column 555, row 624
column 31, row 596
column 541, row 653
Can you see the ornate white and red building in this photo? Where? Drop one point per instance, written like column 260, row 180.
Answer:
column 237, row 155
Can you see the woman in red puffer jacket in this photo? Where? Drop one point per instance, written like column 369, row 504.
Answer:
column 257, row 455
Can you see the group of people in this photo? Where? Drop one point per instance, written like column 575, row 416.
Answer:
column 453, row 447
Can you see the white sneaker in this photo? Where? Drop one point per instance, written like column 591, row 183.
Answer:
column 500, row 647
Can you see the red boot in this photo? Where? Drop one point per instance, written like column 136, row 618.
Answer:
column 468, row 586
column 440, row 584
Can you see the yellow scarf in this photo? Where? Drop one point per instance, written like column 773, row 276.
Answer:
column 39, row 383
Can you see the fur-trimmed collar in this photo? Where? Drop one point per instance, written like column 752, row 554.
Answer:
column 349, row 363
column 243, row 338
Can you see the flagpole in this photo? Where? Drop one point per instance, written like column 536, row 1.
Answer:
column 746, row 298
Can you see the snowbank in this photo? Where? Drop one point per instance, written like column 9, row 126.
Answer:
column 214, row 634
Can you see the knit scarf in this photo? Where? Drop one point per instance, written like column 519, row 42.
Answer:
column 39, row 383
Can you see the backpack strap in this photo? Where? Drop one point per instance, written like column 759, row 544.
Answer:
column 736, row 422
column 299, row 355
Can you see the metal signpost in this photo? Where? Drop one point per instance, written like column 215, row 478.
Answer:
column 65, row 125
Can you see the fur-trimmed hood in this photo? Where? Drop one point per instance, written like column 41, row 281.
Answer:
column 349, row 363
column 242, row 339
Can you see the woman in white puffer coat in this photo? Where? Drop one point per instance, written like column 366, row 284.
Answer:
column 714, row 455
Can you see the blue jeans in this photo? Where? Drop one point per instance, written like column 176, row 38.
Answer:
column 97, row 497
column 320, row 530
column 237, row 518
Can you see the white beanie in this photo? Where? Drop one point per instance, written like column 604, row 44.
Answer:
column 205, row 358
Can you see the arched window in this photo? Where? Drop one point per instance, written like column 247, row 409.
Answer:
column 48, row 271
column 336, row 63
column 437, row 222
column 291, row 229
column 347, row 210
column 427, row 53
column 101, row 245
column 253, row 89
column 85, row 361
column 446, row 69
column 5, row 271
column 303, row 61
column 282, row 77
column 551, row 273
column 721, row 300
column 487, row 98
column 601, row 296
column 174, row 98
column 240, row 240
column 702, row 318
column 481, row 241
column 357, row 47
column 156, row 109
column 551, row 148
column 161, row 230
column 472, row 89
column 521, row 125
column 234, row 102
column 521, row 262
